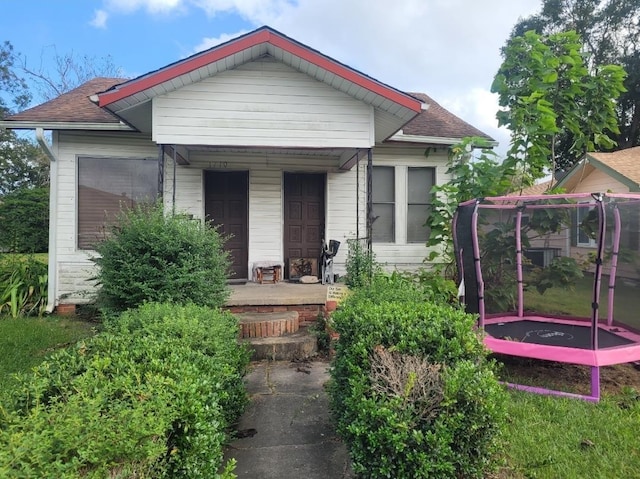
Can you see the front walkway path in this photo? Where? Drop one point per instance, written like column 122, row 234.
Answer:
column 287, row 426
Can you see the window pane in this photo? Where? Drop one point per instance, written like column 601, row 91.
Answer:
column 383, row 184
column 382, row 227
column 417, row 216
column 105, row 185
column 420, row 183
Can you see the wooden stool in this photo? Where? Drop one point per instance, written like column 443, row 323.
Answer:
column 268, row 274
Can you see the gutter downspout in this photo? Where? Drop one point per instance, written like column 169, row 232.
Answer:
column 53, row 203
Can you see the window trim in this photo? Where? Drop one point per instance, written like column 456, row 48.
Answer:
column 432, row 170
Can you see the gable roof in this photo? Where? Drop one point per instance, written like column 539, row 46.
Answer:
column 622, row 165
column 124, row 104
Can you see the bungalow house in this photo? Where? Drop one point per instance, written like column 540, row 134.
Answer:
column 278, row 144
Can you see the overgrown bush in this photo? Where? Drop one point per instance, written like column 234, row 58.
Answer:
column 23, row 285
column 394, row 423
column 24, row 221
column 152, row 257
column 150, row 397
column 361, row 264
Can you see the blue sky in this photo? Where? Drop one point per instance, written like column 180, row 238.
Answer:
column 448, row 49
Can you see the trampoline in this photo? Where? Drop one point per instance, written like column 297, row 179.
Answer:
column 554, row 277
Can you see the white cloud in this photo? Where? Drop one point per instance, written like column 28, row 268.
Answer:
column 100, row 19
column 209, row 42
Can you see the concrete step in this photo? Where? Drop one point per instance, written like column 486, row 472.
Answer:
column 297, row 346
column 267, row 325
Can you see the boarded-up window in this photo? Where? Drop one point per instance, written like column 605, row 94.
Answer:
column 383, row 195
column 419, row 184
column 105, row 186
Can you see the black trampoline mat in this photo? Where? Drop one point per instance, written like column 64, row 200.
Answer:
column 553, row 334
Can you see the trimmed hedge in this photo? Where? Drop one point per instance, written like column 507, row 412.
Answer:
column 389, row 434
column 150, row 397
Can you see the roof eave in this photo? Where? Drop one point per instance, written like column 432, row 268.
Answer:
column 64, row 125
column 432, row 140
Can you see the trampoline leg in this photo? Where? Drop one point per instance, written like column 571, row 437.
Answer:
column 595, row 383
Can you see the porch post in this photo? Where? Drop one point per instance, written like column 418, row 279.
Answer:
column 369, row 198
column 160, row 171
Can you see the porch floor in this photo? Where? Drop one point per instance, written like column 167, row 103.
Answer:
column 283, row 293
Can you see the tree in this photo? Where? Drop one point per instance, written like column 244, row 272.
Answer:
column 609, row 32
column 556, row 108
column 24, row 216
column 70, row 70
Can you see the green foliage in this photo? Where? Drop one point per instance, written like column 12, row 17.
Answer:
column 361, row 264
column 150, row 256
column 321, row 330
column 23, row 286
column 546, row 90
column 562, row 272
column 389, row 435
column 609, row 32
column 470, row 178
column 24, row 221
column 151, row 396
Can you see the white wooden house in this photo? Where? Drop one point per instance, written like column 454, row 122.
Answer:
column 275, row 142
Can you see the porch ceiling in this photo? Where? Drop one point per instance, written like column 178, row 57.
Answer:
column 343, row 159
column 131, row 100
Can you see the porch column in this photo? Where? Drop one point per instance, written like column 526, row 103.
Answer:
column 160, row 171
column 369, row 199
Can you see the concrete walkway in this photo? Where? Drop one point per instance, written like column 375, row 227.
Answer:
column 287, row 426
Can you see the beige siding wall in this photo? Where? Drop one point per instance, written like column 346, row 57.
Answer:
column 262, row 103
column 599, row 182
column 73, row 266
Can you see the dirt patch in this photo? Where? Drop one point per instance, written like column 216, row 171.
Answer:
column 568, row 377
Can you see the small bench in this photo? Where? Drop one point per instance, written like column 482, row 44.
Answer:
column 267, row 273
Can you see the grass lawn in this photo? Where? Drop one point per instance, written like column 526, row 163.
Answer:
column 576, row 301
column 551, row 437
column 25, row 342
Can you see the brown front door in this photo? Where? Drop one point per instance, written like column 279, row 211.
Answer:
column 226, row 206
column 303, row 216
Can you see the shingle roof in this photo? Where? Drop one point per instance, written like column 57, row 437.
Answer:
column 73, row 106
column 626, row 162
column 438, row 122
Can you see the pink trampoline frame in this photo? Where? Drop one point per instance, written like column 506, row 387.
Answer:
column 594, row 357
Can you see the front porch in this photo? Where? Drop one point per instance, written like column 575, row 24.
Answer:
column 308, row 300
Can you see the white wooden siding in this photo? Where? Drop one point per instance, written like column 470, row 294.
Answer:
column 262, row 103
column 400, row 254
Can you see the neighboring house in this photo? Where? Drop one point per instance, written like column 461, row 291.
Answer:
column 616, row 172
column 264, row 136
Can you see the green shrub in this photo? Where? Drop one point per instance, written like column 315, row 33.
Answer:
column 389, row 434
column 24, row 221
column 150, row 397
column 361, row 264
column 153, row 257
column 23, row 285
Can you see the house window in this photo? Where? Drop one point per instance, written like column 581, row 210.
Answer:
column 383, row 195
column 419, row 181
column 587, row 225
column 105, row 186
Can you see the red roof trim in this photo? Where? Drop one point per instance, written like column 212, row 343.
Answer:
column 244, row 43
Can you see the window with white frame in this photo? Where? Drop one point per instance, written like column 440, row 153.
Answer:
column 383, row 199
column 105, row 187
column 420, row 180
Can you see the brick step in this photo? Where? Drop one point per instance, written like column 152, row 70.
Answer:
column 297, row 346
column 268, row 325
